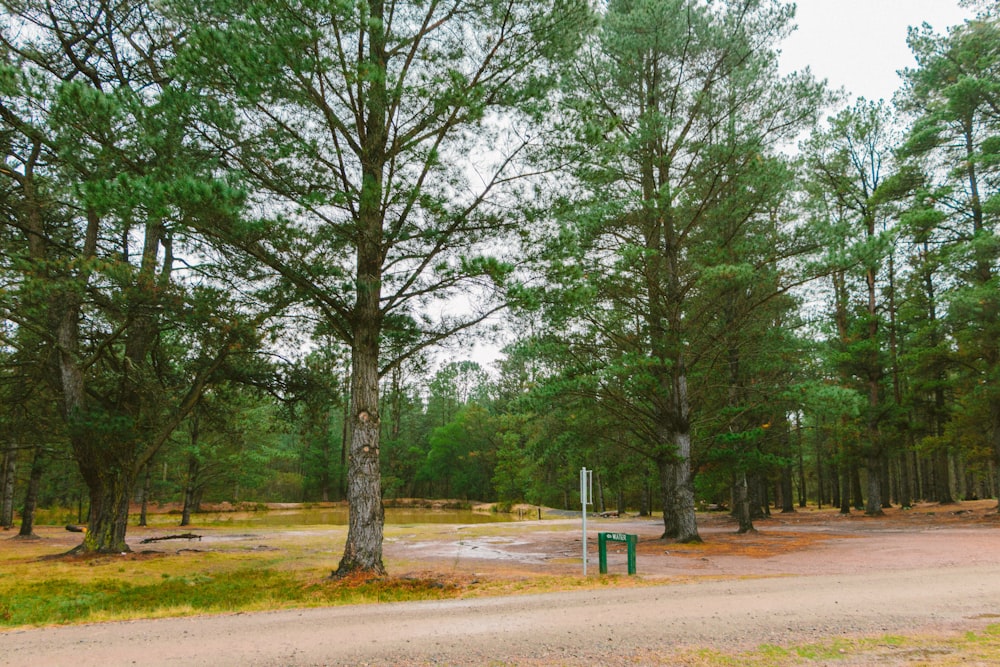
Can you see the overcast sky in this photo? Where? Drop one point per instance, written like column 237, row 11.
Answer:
column 861, row 44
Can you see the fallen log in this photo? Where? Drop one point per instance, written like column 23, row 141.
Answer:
column 182, row 536
column 76, row 529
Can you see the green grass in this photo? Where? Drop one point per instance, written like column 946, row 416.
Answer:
column 40, row 586
column 972, row 648
column 67, row 601
column 76, row 600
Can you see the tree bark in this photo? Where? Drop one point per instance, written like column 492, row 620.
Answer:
column 787, row 490
column 741, row 496
column 906, row 475
column 905, row 496
column 801, row 466
column 601, row 508
column 845, row 489
column 873, row 506
column 687, row 524
column 857, row 495
column 110, row 494
column 942, row 480
column 668, row 482
column 192, row 479
column 9, row 477
column 31, row 495
column 363, row 550
column 145, row 495
column 366, row 515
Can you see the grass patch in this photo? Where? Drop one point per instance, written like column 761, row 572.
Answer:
column 231, row 570
column 65, row 600
column 976, row 648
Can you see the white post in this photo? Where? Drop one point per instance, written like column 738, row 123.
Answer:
column 586, row 498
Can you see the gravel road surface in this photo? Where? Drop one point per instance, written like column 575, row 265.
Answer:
column 607, row 626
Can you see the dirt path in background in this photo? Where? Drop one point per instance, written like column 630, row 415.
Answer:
column 803, row 542
column 805, row 576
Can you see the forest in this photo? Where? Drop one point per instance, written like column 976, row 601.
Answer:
column 248, row 248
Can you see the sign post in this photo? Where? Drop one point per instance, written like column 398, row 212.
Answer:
column 586, row 498
column 602, row 549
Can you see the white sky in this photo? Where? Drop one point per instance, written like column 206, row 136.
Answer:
column 861, row 44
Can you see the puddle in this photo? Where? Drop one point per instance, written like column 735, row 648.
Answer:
column 485, row 548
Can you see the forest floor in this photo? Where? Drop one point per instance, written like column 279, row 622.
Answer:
column 808, row 579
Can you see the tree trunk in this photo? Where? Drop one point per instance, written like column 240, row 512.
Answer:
column 857, row 495
column 363, row 550
column 192, row 479
column 787, row 490
column 601, row 509
column 845, row 489
column 9, row 478
column 886, row 467
column 766, row 500
column 822, row 466
column 875, row 407
column 668, row 482
column 942, row 480
column 110, row 494
column 757, row 489
column 904, row 498
column 801, row 466
column 874, row 504
column 31, row 496
column 836, row 487
column 741, row 498
column 146, row 481
column 905, row 478
column 687, row 524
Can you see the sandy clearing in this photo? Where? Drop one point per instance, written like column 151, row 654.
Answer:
column 803, row 577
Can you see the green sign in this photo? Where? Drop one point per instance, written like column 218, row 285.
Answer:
column 602, row 549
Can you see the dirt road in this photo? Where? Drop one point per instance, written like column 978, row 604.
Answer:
column 580, row 628
column 801, row 579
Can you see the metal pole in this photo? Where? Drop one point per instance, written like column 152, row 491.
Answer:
column 586, row 498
